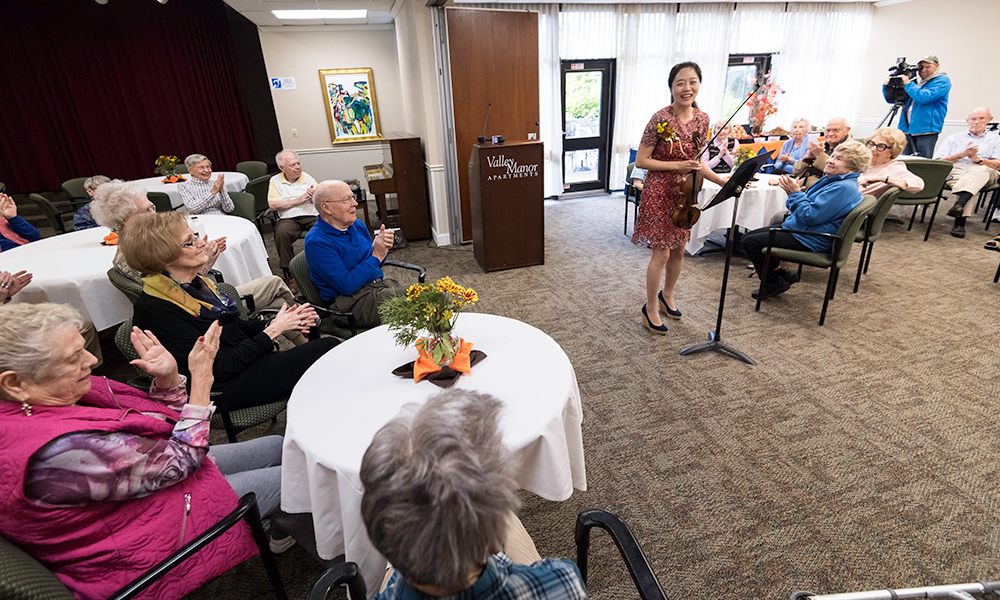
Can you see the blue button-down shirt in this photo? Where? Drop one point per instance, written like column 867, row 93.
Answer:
column 340, row 262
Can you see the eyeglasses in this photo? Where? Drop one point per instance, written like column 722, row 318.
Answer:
column 879, row 147
column 346, row 199
column 191, row 242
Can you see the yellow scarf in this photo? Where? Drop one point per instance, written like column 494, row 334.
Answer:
column 165, row 288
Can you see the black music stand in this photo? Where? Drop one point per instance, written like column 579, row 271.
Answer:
column 733, row 189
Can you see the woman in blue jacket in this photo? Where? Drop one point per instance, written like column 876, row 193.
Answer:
column 820, row 209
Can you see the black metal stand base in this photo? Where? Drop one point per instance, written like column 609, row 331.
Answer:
column 718, row 346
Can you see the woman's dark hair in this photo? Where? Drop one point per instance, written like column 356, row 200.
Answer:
column 677, row 69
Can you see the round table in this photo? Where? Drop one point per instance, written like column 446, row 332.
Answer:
column 350, row 393
column 235, row 182
column 759, row 205
column 72, row 268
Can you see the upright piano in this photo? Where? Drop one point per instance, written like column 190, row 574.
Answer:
column 402, row 173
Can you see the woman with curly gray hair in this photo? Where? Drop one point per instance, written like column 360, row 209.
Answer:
column 885, row 171
column 438, row 504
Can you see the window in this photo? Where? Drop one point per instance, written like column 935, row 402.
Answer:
column 741, row 76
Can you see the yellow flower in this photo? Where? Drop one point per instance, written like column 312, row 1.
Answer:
column 447, row 315
column 444, row 284
column 471, row 296
column 413, row 292
column 457, row 303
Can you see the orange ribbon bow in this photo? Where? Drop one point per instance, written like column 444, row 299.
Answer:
column 425, row 365
column 111, row 239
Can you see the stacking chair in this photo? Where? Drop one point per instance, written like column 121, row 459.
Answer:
column 3, row 187
column 161, row 201
column 872, row 229
column 335, row 322
column 180, row 169
column 24, row 578
column 834, row 259
column 258, row 187
column 635, row 560
column 935, row 174
column 76, row 190
column 632, row 195
column 992, row 204
column 252, row 168
column 53, row 214
column 243, row 205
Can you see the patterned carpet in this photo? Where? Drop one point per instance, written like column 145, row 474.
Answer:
column 855, row 456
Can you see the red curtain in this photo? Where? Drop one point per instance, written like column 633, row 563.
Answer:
column 90, row 89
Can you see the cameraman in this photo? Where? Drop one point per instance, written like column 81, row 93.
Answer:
column 925, row 106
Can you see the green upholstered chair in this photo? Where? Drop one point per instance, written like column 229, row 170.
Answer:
column 258, row 187
column 76, row 190
column 871, row 231
column 935, row 174
column 992, row 191
column 180, row 169
column 3, row 187
column 252, row 168
column 632, row 195
column 54, row 215
column 335, row 322
column 24, row 578
column 834, row 260
column 161, row 201
column 243, row 205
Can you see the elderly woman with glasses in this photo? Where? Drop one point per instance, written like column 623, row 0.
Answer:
column 178, row 305
column 885, row 171
column 200, row 194
column 101, row 481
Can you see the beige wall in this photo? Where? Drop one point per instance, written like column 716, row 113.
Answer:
column 957, row 32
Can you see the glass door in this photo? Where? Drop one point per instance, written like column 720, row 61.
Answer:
column 587, row 92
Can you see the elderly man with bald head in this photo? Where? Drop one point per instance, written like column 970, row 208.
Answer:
column 345, row 262
column 809, row 169
column 290, row 194
column 976, row 156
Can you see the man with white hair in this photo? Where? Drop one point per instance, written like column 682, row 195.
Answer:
column 976, row 156
column 202, row 195
column 345, row 262
column 290, row 194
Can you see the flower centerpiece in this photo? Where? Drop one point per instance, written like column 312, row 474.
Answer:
column 763, row 104
column 166, row 166
column 425, row 317
column 742, row 154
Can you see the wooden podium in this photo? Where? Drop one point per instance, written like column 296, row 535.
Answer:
column 506, row 196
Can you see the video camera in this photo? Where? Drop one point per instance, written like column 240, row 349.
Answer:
column 896, row 72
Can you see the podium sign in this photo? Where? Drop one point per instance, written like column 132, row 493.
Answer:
column 506, row 194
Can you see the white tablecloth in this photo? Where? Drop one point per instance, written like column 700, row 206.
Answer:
column 72, row 268
column 758, row 205
column 235, row 182
column 350, row 393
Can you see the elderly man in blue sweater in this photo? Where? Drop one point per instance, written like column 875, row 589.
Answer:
column 820, row 209
column 925, row 106
column 345, row 262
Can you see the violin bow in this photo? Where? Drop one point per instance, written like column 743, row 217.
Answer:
column 742, row 104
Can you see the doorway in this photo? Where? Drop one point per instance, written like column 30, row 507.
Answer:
column 588, row 112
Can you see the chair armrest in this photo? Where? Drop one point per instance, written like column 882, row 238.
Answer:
column 334, row 576
column 217, row 275
column 812, row 233
column 638, row 567
column 421, row 272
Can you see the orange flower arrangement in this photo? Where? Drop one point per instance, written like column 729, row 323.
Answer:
column 764, row 102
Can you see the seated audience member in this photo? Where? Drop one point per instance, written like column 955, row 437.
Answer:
column 200, row 194
column 821, row 209
column 809, row 169
column 638, row 177
column 96, row 471
column 719, row 152
column 793, row 150
column 886, row 172
column 976, row 156
column 82, row 218
column 344, row 261
column 439, row 504
column 178, row 305
column 290, row 194
column 119, row 201
column 14, row 230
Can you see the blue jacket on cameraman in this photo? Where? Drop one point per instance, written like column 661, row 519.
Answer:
column 925, row 106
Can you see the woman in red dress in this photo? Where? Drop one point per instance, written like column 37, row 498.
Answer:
column 668, row 151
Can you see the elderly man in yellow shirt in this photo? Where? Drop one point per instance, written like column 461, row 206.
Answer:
column 290, row 195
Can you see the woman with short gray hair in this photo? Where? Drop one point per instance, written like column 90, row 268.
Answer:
column 792, row 150
column 82, row 218
column 438, row 504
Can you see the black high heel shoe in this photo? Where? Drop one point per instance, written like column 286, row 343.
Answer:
column 659, row 329
column 673, row 314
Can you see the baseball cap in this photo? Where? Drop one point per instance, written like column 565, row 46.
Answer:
column 930, row 58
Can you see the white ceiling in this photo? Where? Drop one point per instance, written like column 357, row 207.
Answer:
column 259, row 11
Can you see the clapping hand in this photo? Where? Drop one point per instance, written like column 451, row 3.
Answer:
column 8, row 209
column 815, row 149
column 219, row 183
column 789, row 185
column 382, row 243
column 784, row 158
column 154, row 359
column 213, row 248
column 299, row 318
column 970, row 152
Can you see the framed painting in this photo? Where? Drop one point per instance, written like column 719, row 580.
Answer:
column 351, row 109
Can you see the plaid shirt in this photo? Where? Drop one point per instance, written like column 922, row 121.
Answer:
column 552, row 578
column 199, row 199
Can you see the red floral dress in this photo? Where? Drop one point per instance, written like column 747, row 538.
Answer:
column 661, row 193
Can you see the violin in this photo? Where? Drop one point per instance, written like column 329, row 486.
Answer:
column 688, row 213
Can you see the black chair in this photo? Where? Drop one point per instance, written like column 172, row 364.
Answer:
column 333, row 320
column 252, row 168
column 635, row 561
column 161, row 201
column 24, row 578
column 632, row 195
column 872, row 229
column 53, row 214
column 834, row 259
